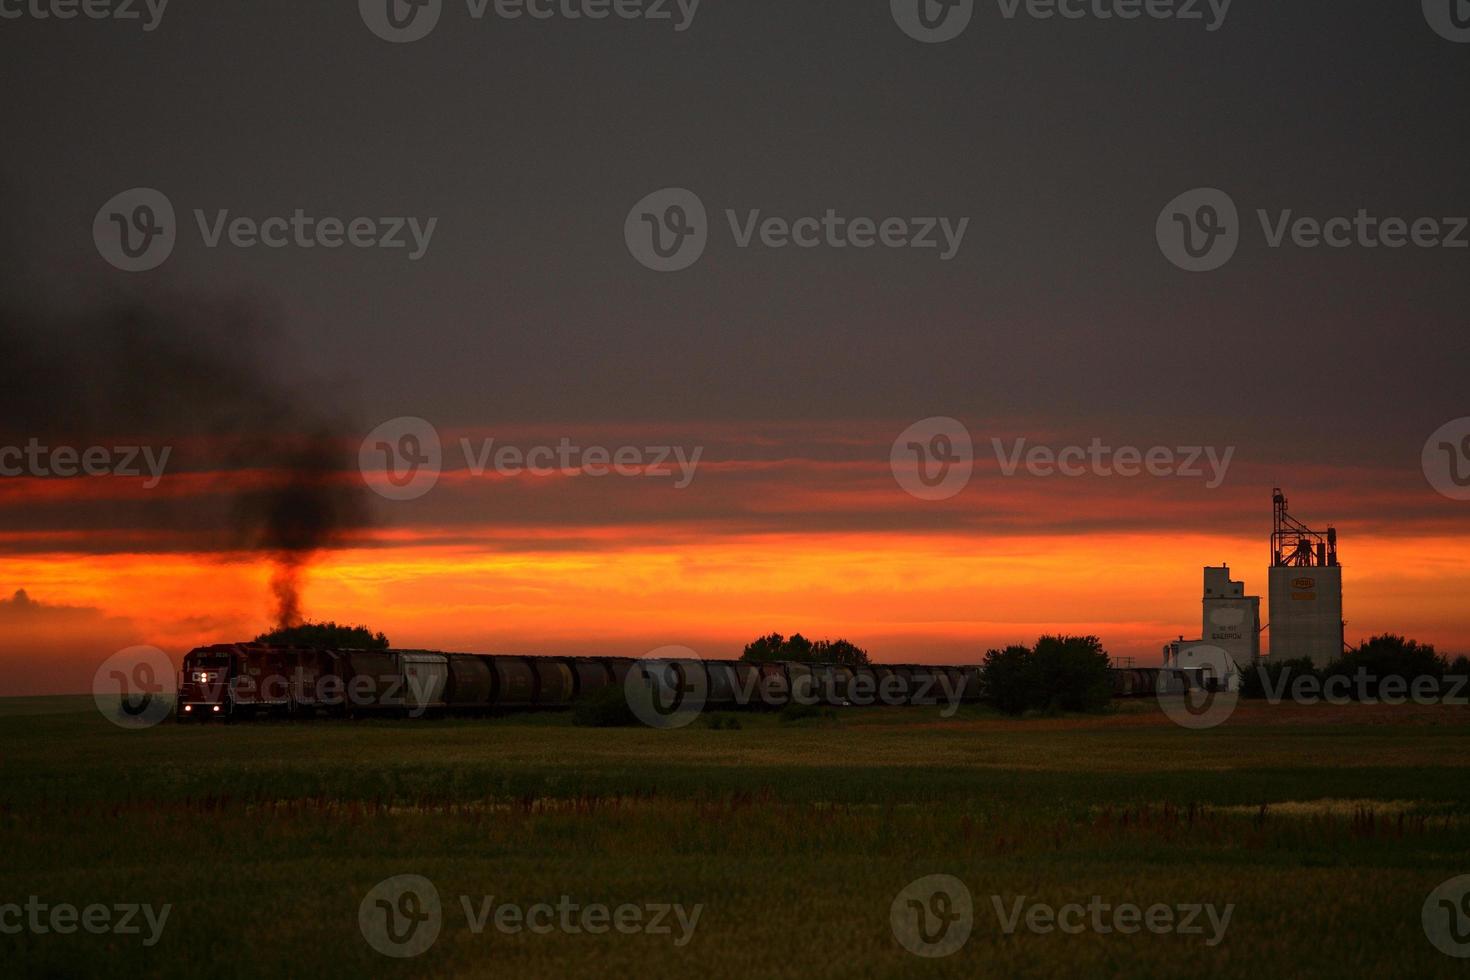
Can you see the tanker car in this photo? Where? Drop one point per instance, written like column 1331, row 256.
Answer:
column 243, row 680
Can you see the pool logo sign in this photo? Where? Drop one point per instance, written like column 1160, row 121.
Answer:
column 401, row 916
column 933, row 21
column 1199, row 230
column 1446, row 917
column 136, row 230
column 135, row 687
column 933, row 916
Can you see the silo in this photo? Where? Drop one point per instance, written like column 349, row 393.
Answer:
column 1305, row 592
column 1232, row 619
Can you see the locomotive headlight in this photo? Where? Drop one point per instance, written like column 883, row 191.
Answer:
column 216, row 707
column 188, row 707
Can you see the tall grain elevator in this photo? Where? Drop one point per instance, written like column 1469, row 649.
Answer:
column 1230, row 624
column 1305, row 590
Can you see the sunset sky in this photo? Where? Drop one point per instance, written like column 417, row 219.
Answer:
column 528, row 321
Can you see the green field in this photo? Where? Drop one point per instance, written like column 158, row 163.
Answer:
column 1325, row 827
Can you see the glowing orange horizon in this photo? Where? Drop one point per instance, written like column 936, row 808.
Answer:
column 944, row 597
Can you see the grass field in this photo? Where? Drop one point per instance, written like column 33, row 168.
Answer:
column 1325, row 827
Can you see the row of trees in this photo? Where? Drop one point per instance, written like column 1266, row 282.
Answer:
column 325, row 635
column 1376, row 660
column 1059, row 673
column 801, row 650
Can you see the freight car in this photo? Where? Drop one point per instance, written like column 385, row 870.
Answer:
column 1141, row 682
column 241, row 680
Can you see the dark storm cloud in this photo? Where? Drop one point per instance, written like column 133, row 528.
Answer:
column 166, row 380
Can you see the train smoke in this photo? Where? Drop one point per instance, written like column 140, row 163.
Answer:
column 275, row 469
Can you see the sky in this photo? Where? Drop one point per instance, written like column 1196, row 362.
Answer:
column 534, row 148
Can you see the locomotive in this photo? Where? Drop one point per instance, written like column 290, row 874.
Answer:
column 243, row 680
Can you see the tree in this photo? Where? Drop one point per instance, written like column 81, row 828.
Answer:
column 1071, row 673
column 1386, row 656
column 325, row 635
column 799, row 649
column 1268, row 676
column 1006, row 678
column 1061, row 673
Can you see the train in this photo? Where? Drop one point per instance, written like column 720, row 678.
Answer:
column 244, row 680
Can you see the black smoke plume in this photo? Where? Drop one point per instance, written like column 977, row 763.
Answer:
column 273, row 467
